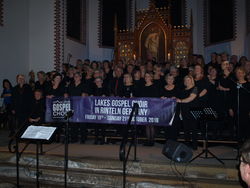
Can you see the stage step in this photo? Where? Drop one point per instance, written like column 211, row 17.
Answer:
column 107, row 173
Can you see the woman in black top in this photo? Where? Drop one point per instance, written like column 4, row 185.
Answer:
column 174, row 71
column 99, row 89
column 183, row 69
column 241, row 114
column 187, row 101
column 107, row 71
column 21, row 97
column 88, row 80
column 149, row 90
column 158, row 76
column 77, row 88
column 170, row 90
column 138, row 82
column 69, row 78
column 37, row 114
column 128, row 89
column 56, row 88
column 201, row 84
column 224, row 91
column 41, row 84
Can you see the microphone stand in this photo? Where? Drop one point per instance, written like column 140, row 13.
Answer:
column 68, row 115
column 238, row 86
column 135, row 134
column 123, row 155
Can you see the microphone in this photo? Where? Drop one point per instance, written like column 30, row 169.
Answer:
column 239, row 85
column 69, row 114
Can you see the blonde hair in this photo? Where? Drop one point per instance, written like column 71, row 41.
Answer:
column 191, row 78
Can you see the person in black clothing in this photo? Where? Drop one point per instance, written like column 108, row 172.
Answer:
column 170, row 90
column 177, row 79
column 65, row 68
column 69, row 78
column 149, row 90
column 99, row 90
column 107, row 71
column 138, row 82
column 187, row 101
column 88, row 80
column 37, row 114
column 201, row 84
column 158, row 76
column 56, row 88
column 116, row 83
column 213, row 101
column 32, row 80
column 234, row 61
column 241, row 114
column 41, row 84
column 77, row 88
column 224, row 94
column 129, row 69
column 183, row 69
column 128, row 89
column 213, row 81
column 21, row 105
column 142, row 71
column 212, row 63
column 199, row 61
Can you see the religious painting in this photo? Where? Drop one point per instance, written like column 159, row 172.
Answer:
column 152, row 43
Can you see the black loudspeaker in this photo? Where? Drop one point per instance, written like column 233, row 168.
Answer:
column 177, row 152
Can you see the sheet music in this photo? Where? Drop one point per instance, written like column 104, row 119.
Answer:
column 38, row 132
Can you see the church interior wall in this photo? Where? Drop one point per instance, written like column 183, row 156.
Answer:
column 41, row 35
column 76, row 49
column 94, row 51
column 239, row 46
column 14, row 37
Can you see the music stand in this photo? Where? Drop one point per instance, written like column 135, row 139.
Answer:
column 37, row 134
column 205, row 114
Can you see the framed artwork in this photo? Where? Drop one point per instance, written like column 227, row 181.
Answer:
column 152, row 42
